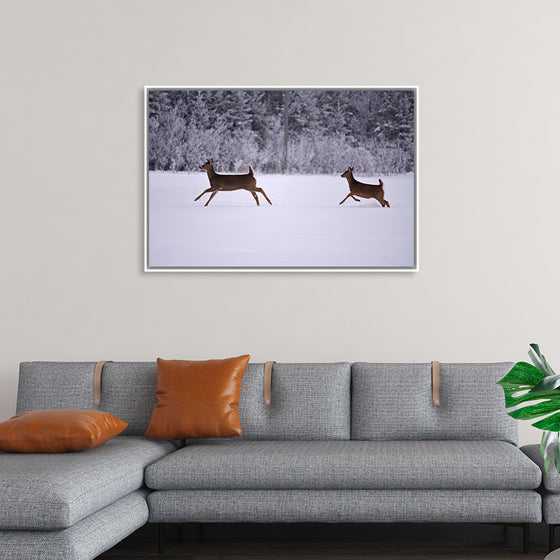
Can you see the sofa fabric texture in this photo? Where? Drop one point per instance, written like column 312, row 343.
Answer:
column 309, row 402
column 128, row 391
column 551, row 508
column 338, row 465
column 55, row 491
column 338, row 506
column 394, row 401
column 85, row 540
column 44, row 385
column 550, row 478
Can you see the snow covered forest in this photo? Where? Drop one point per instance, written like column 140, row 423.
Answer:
column 282, row 131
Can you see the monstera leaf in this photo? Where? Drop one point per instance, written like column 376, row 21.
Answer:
column 526, row 383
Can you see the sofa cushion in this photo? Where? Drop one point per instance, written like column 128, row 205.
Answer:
column 551, row 478
column 45, row 385
column 85, row 540
column 309, row 402
column 225, row 465
column 58, row 430
column 197, row 399
column 127, row 389
column 54, row 491
column 394, row 401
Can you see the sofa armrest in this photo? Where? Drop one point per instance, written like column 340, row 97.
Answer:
column 551, row 479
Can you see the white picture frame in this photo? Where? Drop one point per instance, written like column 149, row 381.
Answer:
column 173, row 218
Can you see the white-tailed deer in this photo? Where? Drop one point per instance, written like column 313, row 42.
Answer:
column 364, row 190
column 220, row 182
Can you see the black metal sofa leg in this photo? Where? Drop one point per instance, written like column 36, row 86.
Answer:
column 161, row 538
column 551, row 528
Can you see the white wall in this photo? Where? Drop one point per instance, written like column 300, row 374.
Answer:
column 71, row 148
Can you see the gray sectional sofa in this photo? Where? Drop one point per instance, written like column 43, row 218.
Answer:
column 340, row 442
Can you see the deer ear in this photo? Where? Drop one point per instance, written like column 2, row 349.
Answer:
column 211, row 160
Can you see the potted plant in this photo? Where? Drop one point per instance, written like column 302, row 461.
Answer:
column 526, row 383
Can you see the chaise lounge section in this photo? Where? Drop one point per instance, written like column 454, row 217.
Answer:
column 77, row 505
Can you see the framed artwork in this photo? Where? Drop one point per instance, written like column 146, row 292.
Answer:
column 283, row 178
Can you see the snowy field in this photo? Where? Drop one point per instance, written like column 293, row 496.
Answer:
column 304, row 227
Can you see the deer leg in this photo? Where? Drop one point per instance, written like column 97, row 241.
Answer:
column 211, row 197
column 386, row 203
column 202, row 193
column 356, row 199
column 264, row 194
column 255, row 197
column 347, row 196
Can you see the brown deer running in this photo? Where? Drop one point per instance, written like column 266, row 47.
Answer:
column 364, row 190
column 220, row 182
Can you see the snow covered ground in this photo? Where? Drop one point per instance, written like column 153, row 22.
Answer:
column 305, row 226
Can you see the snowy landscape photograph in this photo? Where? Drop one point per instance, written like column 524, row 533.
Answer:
column 281, row 179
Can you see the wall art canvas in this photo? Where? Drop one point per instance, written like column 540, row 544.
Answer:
column 281, row 178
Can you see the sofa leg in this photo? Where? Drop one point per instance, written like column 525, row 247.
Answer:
column 551, row 528
column 525, row 538
column 161, row 538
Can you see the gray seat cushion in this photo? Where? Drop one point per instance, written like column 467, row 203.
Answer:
column 85, row 540
column 54, row 491
column 332, row 465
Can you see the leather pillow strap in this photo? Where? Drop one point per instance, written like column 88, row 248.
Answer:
column 97, row 371
column 435, row 384
column 267, row 391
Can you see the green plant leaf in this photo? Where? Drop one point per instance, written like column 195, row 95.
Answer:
column 547, row 448
column 522, row 375
column 556, row 451
column 536, row 410
column 539, row 361
column 550, row 423
column 547, row 384
column 525, row 383
column 536, row 361
column 546, row 439
column 520, row 398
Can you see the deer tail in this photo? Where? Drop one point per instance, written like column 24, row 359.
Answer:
column 251, row 172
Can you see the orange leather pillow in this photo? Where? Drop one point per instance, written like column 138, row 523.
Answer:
column 58, row 431
column 197, row 399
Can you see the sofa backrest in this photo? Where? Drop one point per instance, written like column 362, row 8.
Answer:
column 127, row 389
column 394, row 401
column 309, row 401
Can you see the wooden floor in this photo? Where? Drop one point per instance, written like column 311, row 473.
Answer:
column 330, row 542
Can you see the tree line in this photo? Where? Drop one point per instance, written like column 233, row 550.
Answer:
column 282, row 131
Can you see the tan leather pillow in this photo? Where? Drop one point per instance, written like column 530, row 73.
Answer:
column 197, row 399
column 58, row 431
